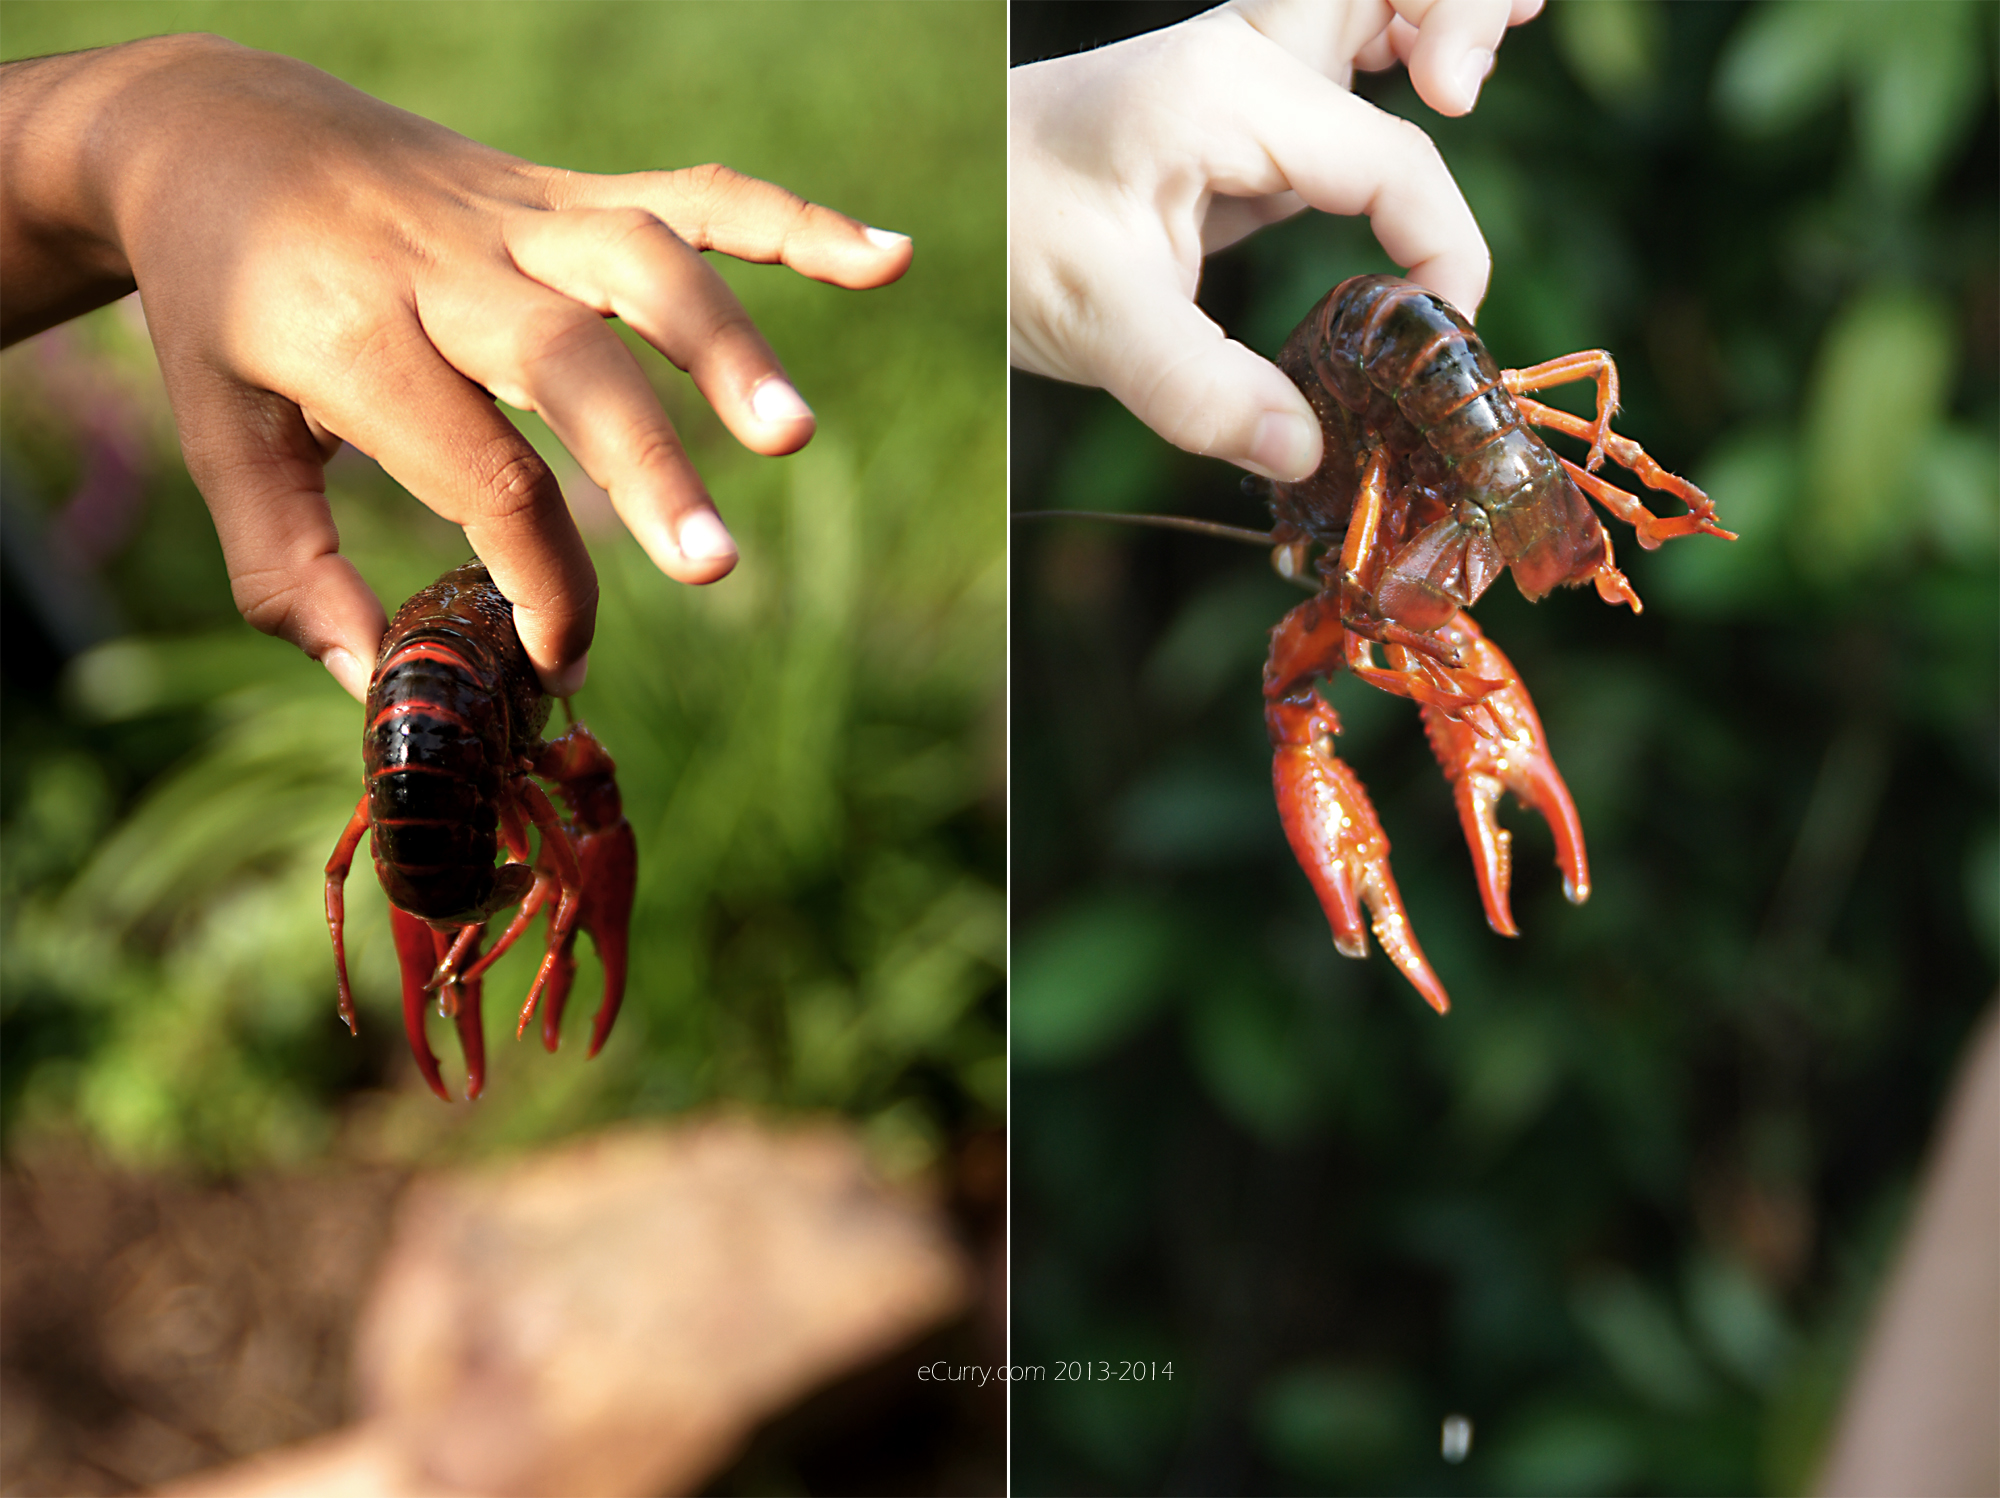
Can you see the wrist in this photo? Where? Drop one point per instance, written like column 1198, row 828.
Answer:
column 64, row 138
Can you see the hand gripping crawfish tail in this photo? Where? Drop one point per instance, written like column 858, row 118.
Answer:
column 1396, row 374
column 454, row 720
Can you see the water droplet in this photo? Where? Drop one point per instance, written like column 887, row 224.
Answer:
column 1456, row 1442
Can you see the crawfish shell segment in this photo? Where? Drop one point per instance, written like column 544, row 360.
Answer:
column 453, row 706
column 1387, row 364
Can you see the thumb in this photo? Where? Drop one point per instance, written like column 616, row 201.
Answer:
column 1176, row 372
column 260, row 469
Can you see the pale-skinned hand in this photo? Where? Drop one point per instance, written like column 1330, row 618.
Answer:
column 319, row 267
column 1127, row 165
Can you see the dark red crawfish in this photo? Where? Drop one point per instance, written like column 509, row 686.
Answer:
column 1433, row 483
column 454, row 723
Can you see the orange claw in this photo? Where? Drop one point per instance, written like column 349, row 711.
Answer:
column 1337, row 839
column 420, row 950
column 1481, row 766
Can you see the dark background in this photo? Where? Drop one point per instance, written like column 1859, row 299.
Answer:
column 1625, row 1207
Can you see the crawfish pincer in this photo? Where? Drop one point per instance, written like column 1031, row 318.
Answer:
column 1434, row 483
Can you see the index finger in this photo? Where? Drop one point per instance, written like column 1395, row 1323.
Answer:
column 715, row 208
column 1456, row 40
column 1343, row 155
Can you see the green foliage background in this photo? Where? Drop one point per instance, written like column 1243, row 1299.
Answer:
column 1626, row 1206
column 810, row 751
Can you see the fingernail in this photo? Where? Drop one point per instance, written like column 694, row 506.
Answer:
column 570, row 680
column 886, row 239
column 1472, row 72
column 775, row 400
column 703, row 537
column 1282, row 446
column 345, row 669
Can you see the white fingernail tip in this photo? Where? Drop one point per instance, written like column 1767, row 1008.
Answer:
column 570, row 681
column 342, row 665
column 1472, row 73
column 703, row 537
column 775, row 400
column 886, row 239
column 1281, row 447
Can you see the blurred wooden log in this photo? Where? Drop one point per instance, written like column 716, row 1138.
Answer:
column 617, row 1317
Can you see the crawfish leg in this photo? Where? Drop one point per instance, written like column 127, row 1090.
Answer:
column 608, row 860
column 463, row 999
column 420, row 950
column 1652, row 529
column 1313, row 640
column 417, row 955
column 1424, row 681
column 1592, row 364
column 336, row 903
column 547, row 891
column 557, row 848
column 1360, row 549
column 536, row 885
column 1338, row 840
column 1480, row 767
column 512, row 883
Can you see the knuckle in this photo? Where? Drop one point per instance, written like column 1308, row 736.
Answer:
column 511, row 481
column 267, row 601
column 708, row 191
column 713, row 180
column 620, row 227
column 653, row 449
column 549, row 328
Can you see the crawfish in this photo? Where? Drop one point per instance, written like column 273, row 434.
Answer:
column 454, row 723
column 1433, row 483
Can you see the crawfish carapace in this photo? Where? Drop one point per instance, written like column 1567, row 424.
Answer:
column 454, row 724
column 1433, row 484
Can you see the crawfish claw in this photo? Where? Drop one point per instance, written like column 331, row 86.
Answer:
column 1480, row 767
column 610, row 860
column 420, row 951
column 1338, row 840
column 607, row 862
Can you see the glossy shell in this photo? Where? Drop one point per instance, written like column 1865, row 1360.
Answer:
column 453, row 708
column 1388, row 365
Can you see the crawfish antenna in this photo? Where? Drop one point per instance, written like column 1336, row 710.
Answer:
column 1156, row 522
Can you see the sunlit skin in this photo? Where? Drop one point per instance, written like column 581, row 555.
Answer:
column 318, row 267
column 1128, row 164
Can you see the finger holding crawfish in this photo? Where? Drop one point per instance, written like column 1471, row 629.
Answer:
column 1433, row 484
column 454, row 722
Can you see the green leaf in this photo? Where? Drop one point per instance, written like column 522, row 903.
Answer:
column 1919, row 90
column 1246, row 1048
column 1613, row 46
column 1637, row 1334
column 1784, row 63
column 1089, row 978
column 1878, row 393
column 1328, row 1422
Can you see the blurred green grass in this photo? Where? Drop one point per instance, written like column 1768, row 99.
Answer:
column 809, row 751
